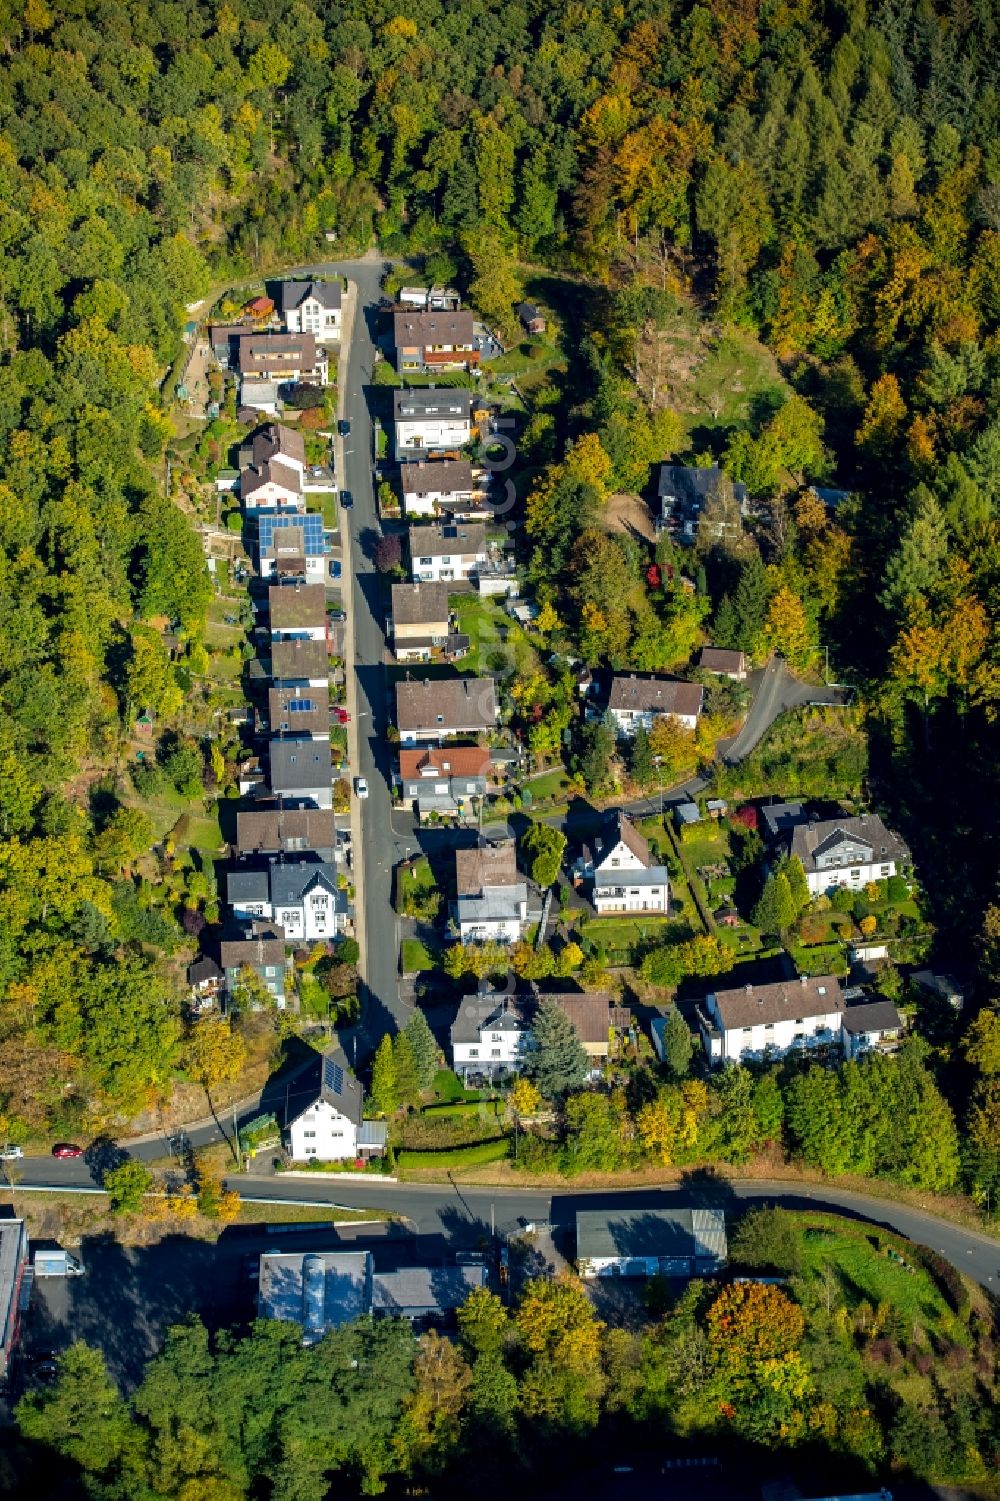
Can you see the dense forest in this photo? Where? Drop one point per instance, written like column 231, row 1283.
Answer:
column 826, row 176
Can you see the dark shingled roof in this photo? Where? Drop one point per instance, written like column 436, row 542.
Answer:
column 811, row 839
column 446, row 477
column 462, row 538
column 446, row 704
column 297, row 661
column 270, row 830
column 296, row 606
column 873, row 1016
column 413, row 328
column 655, row 695
column 293, row 293
column 431, row 401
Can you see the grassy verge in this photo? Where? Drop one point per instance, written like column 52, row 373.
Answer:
column 417, row 957
column 69, row 1217
column 325, row 501
column 453, row 1160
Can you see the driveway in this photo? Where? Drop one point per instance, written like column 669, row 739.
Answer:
column 776, row 690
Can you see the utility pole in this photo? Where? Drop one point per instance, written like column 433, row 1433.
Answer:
column 236, row 1139
column 493, row 1221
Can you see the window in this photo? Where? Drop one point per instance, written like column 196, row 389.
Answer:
column 495, row 1053
column 426, row 562
column 310, row 1151
column 309, row 1135
column 800, row 1021
column 748, row 1031
column 769, row 1026
column 473, row 1052
column 883, row 871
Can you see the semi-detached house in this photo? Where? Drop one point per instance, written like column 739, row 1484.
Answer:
column 449, row 552
column 431, row 420
column 748, row 1021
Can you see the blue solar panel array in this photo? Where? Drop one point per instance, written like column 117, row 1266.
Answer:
column 301, row 706
column 310, row 521
column 333, row 1076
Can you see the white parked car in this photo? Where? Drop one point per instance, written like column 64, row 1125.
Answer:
column 10, row 1153
column 361, row 786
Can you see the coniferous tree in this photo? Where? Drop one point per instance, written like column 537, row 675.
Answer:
column 556, row 1061
column 424, row 1048
column 384, row 1090
column 678, row 1044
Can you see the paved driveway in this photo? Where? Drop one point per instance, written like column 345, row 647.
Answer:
column 776, row 690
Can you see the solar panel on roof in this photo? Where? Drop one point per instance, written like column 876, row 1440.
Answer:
column 301, row 706
column 311, row 525
column 333, row 1076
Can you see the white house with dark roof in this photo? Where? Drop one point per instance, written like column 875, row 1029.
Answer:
column 301, row 896
column 301, row 771
column 271, row 485
column 430, row 420
column 848, row 852
column 451, row 552
column 751, row 1021
column 434, row 339
column 311, row 307
column 432, row 709
column 636, row 701
column 489, row 1035
column 870, row 1025
column 626, row 878
column 325, row 1116
column 431, row 487
column 491, row 902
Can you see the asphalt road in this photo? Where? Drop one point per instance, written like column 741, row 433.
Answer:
column 777, row 691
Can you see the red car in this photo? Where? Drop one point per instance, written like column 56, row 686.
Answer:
column 66, row 1149
column 341, row 716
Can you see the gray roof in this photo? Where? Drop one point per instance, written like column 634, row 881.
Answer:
column 654, row 695
column 300, row 765
column 781, row 818
column 293, row 293
column 700, row 1233
column 526, row 311
column 329, row 1078
column 688, row 483
column 656, row 875
column 291, row 879
column 785, row 1000
column 266, row 947
column 247, row 884
column 496, row 904
column 428, row 1290
column 466, row 539
column 445, row 477
column 13, row 1250
column 721, row 659
column 814, row 839
column 345, row 1279
column 873, row 1016
column 495, row 1012
column 266, row 830
column 203, row 969
column 420, row 604
column 446, row 704
column 431, row 401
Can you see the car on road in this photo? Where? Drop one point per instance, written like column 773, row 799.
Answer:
column 335, row 569
column 67, row 1149
column 361, row 786
column 337, row 615
column 346, row 499
column 344, row 428
column 9, row 1152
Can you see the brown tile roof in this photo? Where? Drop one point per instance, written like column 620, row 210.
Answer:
column 267, row 830
column 414, row 329
column 489, row 865
column 312, row 721
column 292, row 605
column 452, row 761
column 446, row 705
column 268, row 472
column 267, row 947
column 464, row 539
column 275, row 440
column 593, row 1015
column 298, row 660
column 785, row 1000
column 419, row 604
column 655, row 695
column 721, row 659
column 450, row 476
column 284, row 352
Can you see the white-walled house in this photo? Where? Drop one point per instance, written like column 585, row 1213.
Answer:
column 488, row 1035
column 302, row 896
column 626, row 879
column 430, row 420
column 326, row 1121
column 871, row 1025
column 636, row 701
column 312, row 307
column 453, row 550
column 848, row 852
column 429, row 487
column 492, row 898
column 297, row 612
column 750, row 1021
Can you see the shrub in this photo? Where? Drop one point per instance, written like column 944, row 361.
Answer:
column 896, row 889
column 947, row 1277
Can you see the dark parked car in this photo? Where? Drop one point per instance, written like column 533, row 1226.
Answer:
column 346, row 499
column 344, row 428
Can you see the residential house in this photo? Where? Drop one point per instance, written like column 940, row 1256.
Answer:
column 449, row 551
column 489, row 1034
column 277, row 442
column 650, row 1242
column 751, row 1021
column 436, row 299
column 686, row 491
column 597, row 1021
column 294, row 545
column 259, row 398
column 779, row 819
column 13, row 1288
column 204, row 979
column 300, row 663
column 301, row 770
column 870, row 1026
column 224, row 339
column 425, row 1294
column 434, row 340
column 431, row 420
column 848, row 852
column 318, row 1289
column 626, row 877
column 301, row 896
column 531, row 319
column 260, row 948
column 325, row 1116
column 281, row 358
column 312, row 307
column 299, row 713
column 432, row 709
column 427, row 488
column 297, row 611
column 420, row 619
column 271, row 485
column 444, row 780
column 491, row 896
column 638, row 701
column 277, row 830
column 724, row 663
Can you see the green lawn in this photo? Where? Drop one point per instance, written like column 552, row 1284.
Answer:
column 417, row 957
column 495, row 641
column 449, row 1089
column 456, row 1157
column 736, row 373
column 204, row 833
column 326, row 502
column 313, row 999
column 547, row 788
column 414, row 880
column 620, row 936
column 866, row 1274
column 476, row 1108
